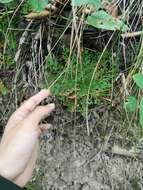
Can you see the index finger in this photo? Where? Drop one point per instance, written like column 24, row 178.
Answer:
column 28, row 106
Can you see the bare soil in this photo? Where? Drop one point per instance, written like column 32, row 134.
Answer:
column 69, row 159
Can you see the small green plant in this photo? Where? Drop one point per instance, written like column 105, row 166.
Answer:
column 132, row 103
column 72, row 87
column 3, row 89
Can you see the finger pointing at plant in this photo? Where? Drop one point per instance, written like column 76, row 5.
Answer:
column 18, row 148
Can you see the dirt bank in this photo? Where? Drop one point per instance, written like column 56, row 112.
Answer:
column 70, row 160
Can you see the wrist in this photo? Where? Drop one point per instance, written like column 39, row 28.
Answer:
column 5, row 170
column 6, row 174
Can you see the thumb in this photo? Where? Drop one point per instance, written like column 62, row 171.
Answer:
column 40, row 113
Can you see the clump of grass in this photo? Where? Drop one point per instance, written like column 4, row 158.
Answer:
column 72, row 87
column 10, row 31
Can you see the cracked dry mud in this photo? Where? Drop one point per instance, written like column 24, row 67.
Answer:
column 70, row 160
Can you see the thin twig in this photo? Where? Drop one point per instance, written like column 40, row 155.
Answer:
column 131, row 34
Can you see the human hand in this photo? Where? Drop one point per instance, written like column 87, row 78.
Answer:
column 19, row 144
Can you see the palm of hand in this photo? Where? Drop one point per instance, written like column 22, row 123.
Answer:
column 19, row 143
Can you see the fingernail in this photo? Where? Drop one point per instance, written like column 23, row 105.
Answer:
column 46, row 90
column 49, row 126
column 51, row 106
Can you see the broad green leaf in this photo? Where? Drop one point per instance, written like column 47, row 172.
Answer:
column 103, row 20
column 138, row 78
column 97, row 3
column 131, row 104
column 141, row 112
column 5, row 1
column 38, row 5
